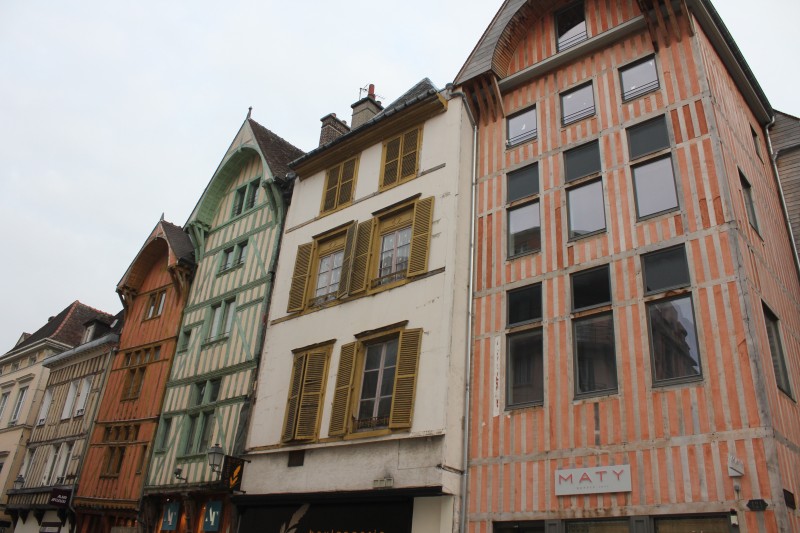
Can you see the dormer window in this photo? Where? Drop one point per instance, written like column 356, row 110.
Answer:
column 88, row 333
column 571, row 26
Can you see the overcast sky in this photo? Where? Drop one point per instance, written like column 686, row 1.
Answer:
column 114, row 112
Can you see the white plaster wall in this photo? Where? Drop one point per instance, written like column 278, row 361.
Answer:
column 437, row 304
column 433, row 515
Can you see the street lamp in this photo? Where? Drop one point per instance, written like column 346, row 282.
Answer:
column 19, row 482
column 215, row 456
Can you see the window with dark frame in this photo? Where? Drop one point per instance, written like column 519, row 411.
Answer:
column 582, row 161
column 776, row 352
column 524, row 229
column 252, row 194
column 577, row 104
column 571, row 26
column 522, row 183
column 238, row 201
column 674, row 350
column 522, row 126
column 756, row 142
column 749, row 202
column 164, row 431
column 593, row 334
column 586, row 209
column 524, row 305
column 525, row 368
column 639, row 78
column 653, row 173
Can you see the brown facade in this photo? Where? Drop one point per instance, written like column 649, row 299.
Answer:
column 672, row 419
column 154, row 292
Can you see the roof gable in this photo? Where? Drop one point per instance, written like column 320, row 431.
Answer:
column 165, row 239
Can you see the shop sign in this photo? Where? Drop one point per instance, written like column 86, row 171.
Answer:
column 596, row 480
column 355, row 517
column 171, row 513
column 232, row 468
column 60, row 497
column 213, row 515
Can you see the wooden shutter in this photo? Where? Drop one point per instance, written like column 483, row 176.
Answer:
column 408, row 167
column 341, row 396
column 292, row 403
column 405, row 379
column 391, row 162
column 331, row 188
column 302, row 267
column 347, row 260
column 311, row 395
column 420, row 237
column 346, row 182
column 359, row 271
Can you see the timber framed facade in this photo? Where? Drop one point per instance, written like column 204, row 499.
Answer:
column 637, row 306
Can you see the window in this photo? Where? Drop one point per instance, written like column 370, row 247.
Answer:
column 245, row 197
column 525, row 369
column 45, row 408
column 577, row 104
column 186, row 337
column 306, row 390
column 15, row 366
column 525, row 305
column 593, row 335
column 377, row 253
column 776, row 352
column 756, row 142
column 586, row 210
column 132, row 386
column 112, row 464
column 522, row 183
column 241, row 253
column 49, row 470
column 524, row 229
column 653, row 178
column 638, row 78
column 233, row 256
column 706, row 524
column 582, row 161
column 61, row 464
column 88, row 333
column 221, row 319
column 206, row 392
column 83, row 396
column 226, row 261
column 673, row 335
column 238, row 201
column 155, row 304
column 376, row 382
column 163, row 437
column 599, row 526
column 72, row 393
column 18, row 404
column 521, row 126
column 400, row 158
column 648, row 137
column 339, row 185
column 4, row 402
column 252, row 194
column 749, row 203
column 198, row 434
column 571, row 26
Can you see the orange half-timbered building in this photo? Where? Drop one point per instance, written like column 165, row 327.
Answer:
column 636, row 350
column 153, row 292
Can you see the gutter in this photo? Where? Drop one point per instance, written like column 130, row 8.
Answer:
column 470, row 288
column 773, row 158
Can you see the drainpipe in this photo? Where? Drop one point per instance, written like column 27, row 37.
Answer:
column 773, row 158
column 470, row 288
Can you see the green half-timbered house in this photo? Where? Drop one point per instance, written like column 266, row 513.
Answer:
column 236, row 229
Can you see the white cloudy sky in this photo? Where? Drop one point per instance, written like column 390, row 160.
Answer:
column 114, row 112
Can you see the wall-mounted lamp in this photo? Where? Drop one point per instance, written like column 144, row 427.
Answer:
column 178, row 474
column 215, row 457
column 19, row 482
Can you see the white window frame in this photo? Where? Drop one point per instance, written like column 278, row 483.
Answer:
column 23, row 392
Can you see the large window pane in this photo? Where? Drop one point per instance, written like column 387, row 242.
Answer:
column 522, row 126
column 577, row 104
column 595, row 359
column 525, row 304
column 665, row 269
column 516, row 527
column 776, row 351
column 718, row 524
column 525, row 368
column 591, row 288
column 571, row 26
column 598, row 526
column 523, row 182
column 586, row 211
column 648, row 137
column 655, row 187
column 673, row 338
column 524, row 229
column 582, row 161
column 749, row 203
column 639, row 78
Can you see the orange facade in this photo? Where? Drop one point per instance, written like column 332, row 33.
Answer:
column 154, row 292
column 673, row 428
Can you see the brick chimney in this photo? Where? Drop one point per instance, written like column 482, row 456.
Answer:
column 366, row 108
column 332, row 128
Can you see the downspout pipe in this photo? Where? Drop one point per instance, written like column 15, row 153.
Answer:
column 470, row 288
column 773, row 158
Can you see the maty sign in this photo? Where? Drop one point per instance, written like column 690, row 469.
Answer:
column 597, row 480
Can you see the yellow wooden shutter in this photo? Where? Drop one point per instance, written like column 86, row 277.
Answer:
column 408, row 167
column 346, row 182
column 292, row 403
column 359, row 272
column 302, row 266
column 341, row 396
column 420, row 237
column 331, row 188
column 405, row 379
column 391, row 162
column 311, row 395
column 347, row 261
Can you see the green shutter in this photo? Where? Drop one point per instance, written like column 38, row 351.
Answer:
column 420, row 237
column 302, row 267
column 405, row 379
column 344, row 385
